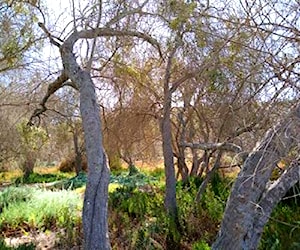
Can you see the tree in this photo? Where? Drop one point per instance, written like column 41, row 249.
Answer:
column 253, row 195
column 96, row 194
column 32, row 140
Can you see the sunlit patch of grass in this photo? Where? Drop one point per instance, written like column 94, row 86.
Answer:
column 10, row 176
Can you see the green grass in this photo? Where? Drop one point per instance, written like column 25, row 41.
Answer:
column 24, row 208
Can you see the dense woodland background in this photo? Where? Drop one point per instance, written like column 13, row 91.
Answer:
column 189, row 101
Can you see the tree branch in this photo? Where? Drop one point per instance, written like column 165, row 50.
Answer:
column 52, row 88
column 51, row 38
column 100, row 32
column 226, row 146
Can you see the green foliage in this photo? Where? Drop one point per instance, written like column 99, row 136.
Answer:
column 135, row 197
column 12, row 195
column 283, row 229
column 201, row 245
column 17, row 20
column 32, row 137
column 40, row 178
column 75, row 182
column 213, row 204
column 132, row 181
column 42, row 209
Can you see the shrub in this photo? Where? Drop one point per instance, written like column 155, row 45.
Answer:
column 12, row 195
column 283, row 229
column 68, row 164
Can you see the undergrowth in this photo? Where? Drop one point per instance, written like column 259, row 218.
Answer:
column 137, row 218
column 25, row 209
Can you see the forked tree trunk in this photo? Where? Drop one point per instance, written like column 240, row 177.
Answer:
column 252, row 199
column 95, row 224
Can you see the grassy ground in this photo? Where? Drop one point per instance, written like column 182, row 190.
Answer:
column 45, row 212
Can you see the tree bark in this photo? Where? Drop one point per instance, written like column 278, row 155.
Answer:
column 252, row 201
column 170, row 196
column 95, row 224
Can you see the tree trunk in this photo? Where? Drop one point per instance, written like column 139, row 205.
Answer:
column 195, row 164
column 78, row 156
column 181, row 164
column 95, row 224
column 252, row 201
column 172, row 241
column 209, row 176
column 28, row 165
column 170, row 196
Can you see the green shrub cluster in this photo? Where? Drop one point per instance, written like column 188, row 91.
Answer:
column 139, row 219
column 283, row 229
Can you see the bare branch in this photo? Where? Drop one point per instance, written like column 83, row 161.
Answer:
column 51, row 38
column 52, row 88
column 226, row 146
column 103, row 32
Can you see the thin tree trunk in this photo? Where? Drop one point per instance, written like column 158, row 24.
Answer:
column 170, row 196
column 78, row 157
column 250, row 197
column 181, row 164
column 209, row 176
column 195, row 164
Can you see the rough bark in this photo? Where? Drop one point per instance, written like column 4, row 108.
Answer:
column 251, row 197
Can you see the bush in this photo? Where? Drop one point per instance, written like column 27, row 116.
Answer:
column 201, row 245
column 68, row 164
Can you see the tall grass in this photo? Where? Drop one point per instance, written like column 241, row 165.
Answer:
column 25, row 208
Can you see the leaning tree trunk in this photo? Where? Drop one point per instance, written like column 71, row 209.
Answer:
column 95, row 224
column 96, row 195
column 253, row 196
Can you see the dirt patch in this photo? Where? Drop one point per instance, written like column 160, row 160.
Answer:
column 42, row 241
